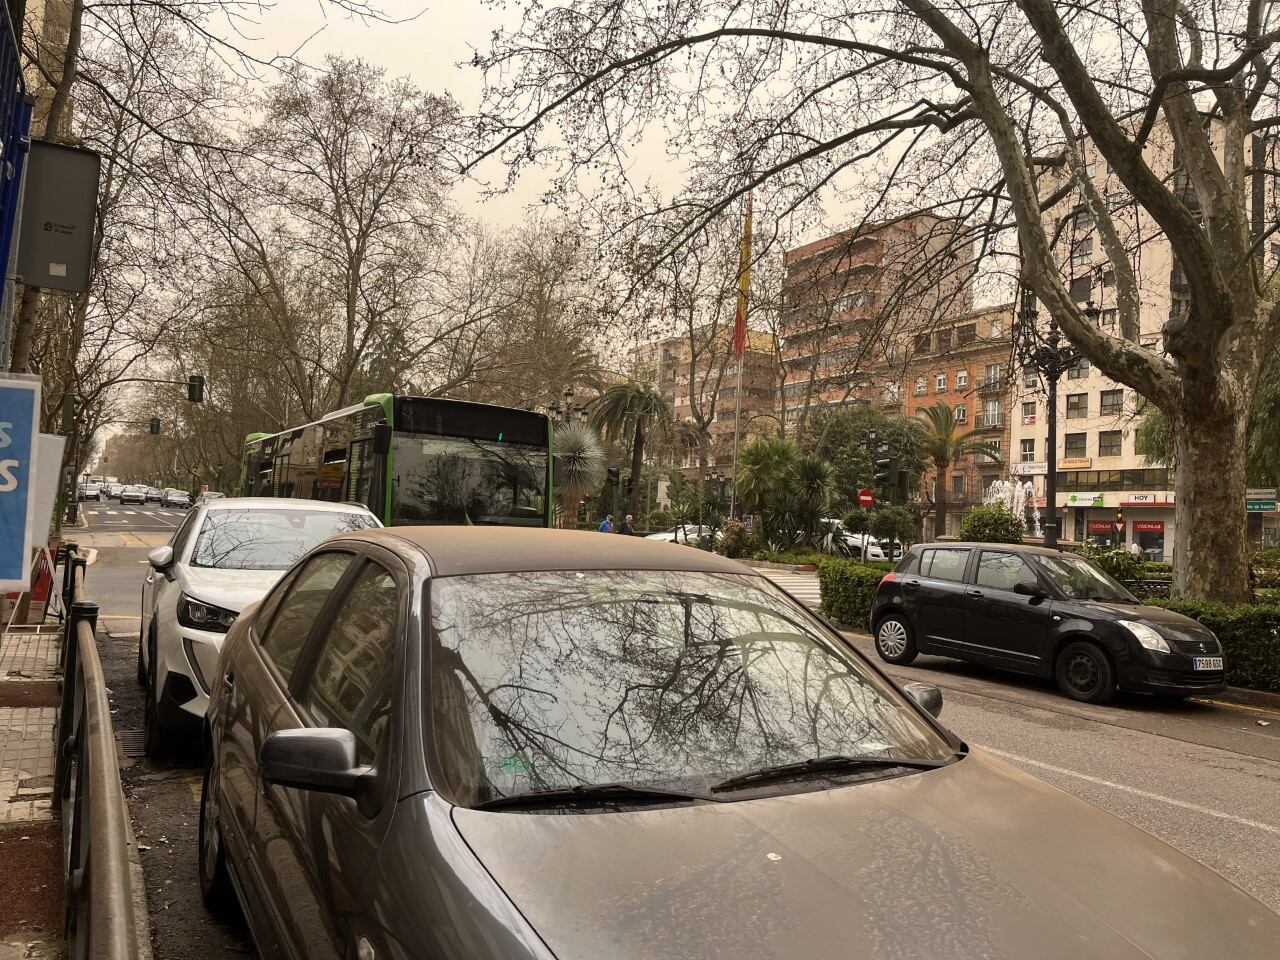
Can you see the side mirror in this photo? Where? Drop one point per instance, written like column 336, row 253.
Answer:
column 1026, row 589
column 381, row 438
column 312, row 758
column 161, row 558
column 926, row 696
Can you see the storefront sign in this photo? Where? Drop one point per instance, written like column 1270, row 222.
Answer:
column 19, row 425
column 1028, row 469
column 1084, row 500
column 1075, row 463
column 1147, row 500
column 1105, row 526
column 1148, row 526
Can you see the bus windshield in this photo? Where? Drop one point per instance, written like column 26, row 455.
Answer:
column 464, row 481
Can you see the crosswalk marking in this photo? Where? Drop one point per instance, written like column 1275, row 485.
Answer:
column 802, row 586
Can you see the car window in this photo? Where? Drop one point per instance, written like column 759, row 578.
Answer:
column 352, row 682
column 288, row 630
column 268, row 538
column 182, row 535
column 1001, row 570
column 908, row 564
column 944, row 564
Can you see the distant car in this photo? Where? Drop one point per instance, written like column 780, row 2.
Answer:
column 518, row 744
column 212, row 495
column 113, row 490
column 133, row 493
column 89, row 491
column 224, row 556
column 176, row 498
column 1042, row 612
column 690, row 533
column 155, row 494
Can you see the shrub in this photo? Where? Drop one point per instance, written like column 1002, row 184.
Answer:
column 1250, row 636
column 1155, row 568
column 735, row 540
column 847, row 588
column 992, row 523
column 1121, row 564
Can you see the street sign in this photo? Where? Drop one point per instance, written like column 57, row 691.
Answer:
column 19, row 427
column 1260, row 506
column 866, row 498
column 1084, row 499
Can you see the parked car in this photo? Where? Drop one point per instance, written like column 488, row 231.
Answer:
column 690, row 533
column 133, row 493
column 211, row 495
column 223, row 556
column 155, row 494
column 606, row 747
column 89, row 491
column 1042, row 612
column 176, row 498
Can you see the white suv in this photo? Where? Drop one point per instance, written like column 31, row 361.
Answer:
column 225, row 555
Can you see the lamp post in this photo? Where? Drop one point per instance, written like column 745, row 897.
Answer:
column 1049, row 357
column 570, row 411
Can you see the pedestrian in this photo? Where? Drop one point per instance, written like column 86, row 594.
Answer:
column 606, row 525
column 628, row 528
column 1135, row 549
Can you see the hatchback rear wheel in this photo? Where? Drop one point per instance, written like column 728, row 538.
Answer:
column 894, row 641
column 1085, row 673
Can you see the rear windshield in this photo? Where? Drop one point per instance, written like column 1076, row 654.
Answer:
column 549, row 680
column 267, row 539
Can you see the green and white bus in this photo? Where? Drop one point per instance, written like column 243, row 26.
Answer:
column 413, row 460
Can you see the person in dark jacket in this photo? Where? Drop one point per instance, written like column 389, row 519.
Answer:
column 627, row 528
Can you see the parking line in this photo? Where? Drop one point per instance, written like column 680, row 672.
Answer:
column 1145, row 794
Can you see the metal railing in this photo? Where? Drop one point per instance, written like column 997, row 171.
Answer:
column 100, row 921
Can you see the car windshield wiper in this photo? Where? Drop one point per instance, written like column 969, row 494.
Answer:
column 834, row 763
column 589, row 793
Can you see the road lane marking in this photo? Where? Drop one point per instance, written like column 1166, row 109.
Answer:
column 1135, row 791
column 1243, row 707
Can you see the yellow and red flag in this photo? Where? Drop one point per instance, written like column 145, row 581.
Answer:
column 744, row 286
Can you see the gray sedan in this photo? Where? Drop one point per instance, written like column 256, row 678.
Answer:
column 513, row 744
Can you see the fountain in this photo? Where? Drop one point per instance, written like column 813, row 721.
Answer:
column 1019, row 499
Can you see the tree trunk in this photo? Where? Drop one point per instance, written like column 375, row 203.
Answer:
column 940, row 500
column 24, row 330
column 637, row 460
column 1210, row 550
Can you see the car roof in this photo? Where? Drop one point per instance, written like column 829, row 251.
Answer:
column 971, row 544
column 279, row 503
column 457, row 551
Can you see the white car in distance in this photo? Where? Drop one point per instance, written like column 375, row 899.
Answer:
column 225, row 555
column 690, row 533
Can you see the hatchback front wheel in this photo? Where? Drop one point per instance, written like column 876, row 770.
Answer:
column 1085, row 673
column 894, row 642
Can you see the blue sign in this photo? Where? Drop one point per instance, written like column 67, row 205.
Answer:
column 19, row 425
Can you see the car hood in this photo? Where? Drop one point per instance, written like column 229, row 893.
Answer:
column 230, row 589
column 1167, row 622
column 975, row 860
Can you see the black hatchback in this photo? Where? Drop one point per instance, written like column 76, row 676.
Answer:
column 1042, row 612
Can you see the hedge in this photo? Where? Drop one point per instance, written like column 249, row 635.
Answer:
column 847, row 588
column 1250, row 636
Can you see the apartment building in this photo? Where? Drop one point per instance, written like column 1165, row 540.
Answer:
column 853, row 303
column 1099, row 470
column 967, row 365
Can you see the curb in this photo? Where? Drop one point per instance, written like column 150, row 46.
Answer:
column 784, row 567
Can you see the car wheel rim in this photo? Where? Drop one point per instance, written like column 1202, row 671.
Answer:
column 1082, row 673
column 892, row 638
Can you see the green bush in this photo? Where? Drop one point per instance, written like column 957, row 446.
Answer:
column 735, row 540
column 847, row 588
column 991, row 523
column 1121, row 564
column 1155, row 568
column 1250, row 636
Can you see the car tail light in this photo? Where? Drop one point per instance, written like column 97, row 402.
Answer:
column 887, row 578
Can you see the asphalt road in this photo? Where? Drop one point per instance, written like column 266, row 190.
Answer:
column 1203, row 776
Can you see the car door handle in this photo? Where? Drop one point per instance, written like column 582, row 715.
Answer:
column 913, row 583
column 974, row 593
column 229, row 680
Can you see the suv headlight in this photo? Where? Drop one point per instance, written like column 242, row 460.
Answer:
column 1146, row 636
column 204, row 616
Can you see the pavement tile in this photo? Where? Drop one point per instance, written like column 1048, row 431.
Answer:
column 26, row 763
column 26, row 655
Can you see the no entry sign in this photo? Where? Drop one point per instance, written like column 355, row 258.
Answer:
column 866, row 498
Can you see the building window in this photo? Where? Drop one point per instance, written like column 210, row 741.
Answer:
column 922, row 343
column 992, row 373
column 957, row 486
column 1028, row 409
column 1109, row 443
column 921, row 387
column 1082, row 252
column 1079, row 371
column 962, row 413
column 944, row 341
column 967, row 334
column 997, row 328
column 1077, row 406
column 940, row 382
column 1030, row 378
column 1074, row 445
column 1027, row 451
column 1112, row 402
column 1109, row 317
column 962, row 378
column 993, row 450
column 992, row 415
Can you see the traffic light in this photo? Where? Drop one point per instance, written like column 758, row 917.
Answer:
column 195, row 390
column 612, row 475
column 155, row 424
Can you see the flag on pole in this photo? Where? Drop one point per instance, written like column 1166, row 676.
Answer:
column 744, row 285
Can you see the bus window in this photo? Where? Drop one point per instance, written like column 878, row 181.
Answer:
column 463, row 481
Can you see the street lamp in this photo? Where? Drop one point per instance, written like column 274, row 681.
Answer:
column 1051, row 358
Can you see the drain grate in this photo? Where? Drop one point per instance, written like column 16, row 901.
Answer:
column 131, row 743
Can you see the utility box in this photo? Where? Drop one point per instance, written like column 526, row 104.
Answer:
column 59, row 204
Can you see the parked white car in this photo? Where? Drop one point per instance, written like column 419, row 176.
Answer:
column 224, row 556
column 861, row 546
column 689, row 533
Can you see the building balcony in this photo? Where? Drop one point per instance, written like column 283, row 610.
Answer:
column 988, row 421
column 990, row 385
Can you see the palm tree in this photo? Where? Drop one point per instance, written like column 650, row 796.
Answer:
column 580, row 465
column 632, row 408
column 810, row 483
column 945, row 447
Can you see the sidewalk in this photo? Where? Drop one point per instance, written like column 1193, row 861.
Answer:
column 31, row 895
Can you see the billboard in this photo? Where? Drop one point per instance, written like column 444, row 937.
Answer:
column 19, row 427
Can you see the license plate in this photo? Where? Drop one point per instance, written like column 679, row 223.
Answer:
column 1208, row 663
